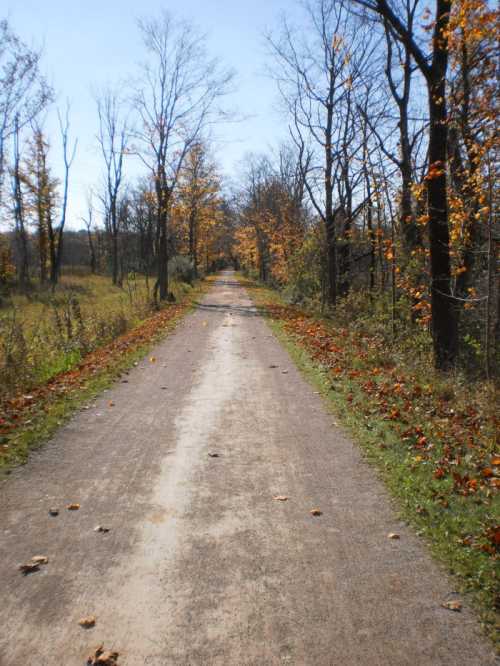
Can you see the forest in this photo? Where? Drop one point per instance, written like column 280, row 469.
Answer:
column 367, row 236
column 384, row 193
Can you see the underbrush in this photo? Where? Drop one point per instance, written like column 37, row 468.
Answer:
column 45, row 333
column 432, row 435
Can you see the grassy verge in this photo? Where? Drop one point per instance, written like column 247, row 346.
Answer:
column 431, row 437
column 28, row 420
column 45, row 332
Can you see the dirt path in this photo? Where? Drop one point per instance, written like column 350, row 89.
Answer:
column 201, row 566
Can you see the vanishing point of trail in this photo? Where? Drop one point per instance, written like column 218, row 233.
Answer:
column 201, row 566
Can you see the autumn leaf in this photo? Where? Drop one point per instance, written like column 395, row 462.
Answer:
column 73, row 507
column 40, row 559
column 87, row 622
column 452, row 605
column 111, row 403
column 213, row 454
column 393, row 535
column 100, row 528
column 152, row 359
column 316, row 512
column 53, row 511
column 280, row 498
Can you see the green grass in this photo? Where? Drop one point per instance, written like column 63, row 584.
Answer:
column 442, row 517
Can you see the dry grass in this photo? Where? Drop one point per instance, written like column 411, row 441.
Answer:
column 45, row 333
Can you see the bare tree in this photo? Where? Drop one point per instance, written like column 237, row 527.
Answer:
column 21, row 232
column 175, row 99
column 113, row 138
column 24, row 92
column 315, row 76
column 88, row 221
column 56, row 237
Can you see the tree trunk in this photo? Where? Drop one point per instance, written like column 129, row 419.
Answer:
column 444, row 318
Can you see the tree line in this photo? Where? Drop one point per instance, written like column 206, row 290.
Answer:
column 385, row 185
column 391, row 112
column 162, row 119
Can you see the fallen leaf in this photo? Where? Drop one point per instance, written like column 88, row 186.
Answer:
column 205, row 323
column 53, row 511
column 393, row 535
column 111, row 403
column 495, row 461
column 100, row 528
column 316, row 512
column 108, row 658
column 73, row 507
column 452, row 605
column 40, row 559
column 87, row 622
column 213, row 454
column 152, row 359
column 103, row 658
column 274, row 366
column 280, row 498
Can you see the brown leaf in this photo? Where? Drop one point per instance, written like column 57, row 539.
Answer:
column 274, row 366
column 393, row 535
column 103, row 658
column 316, row 512
column 213, row 454
column 111, row 403
column 280, row 498
column 87, row 622
column 73, row 507
column 40, row 559
column 152, row 359
column 53, row 511
column 452, row 605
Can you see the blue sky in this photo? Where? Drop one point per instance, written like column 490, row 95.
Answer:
column 89, row 43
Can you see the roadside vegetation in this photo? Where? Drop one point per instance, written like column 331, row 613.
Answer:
column 432, row 436
column 45, row 332
column 59, row 367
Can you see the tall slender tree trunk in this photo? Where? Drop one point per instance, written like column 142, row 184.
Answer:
column 444, row 316
column 331, row 236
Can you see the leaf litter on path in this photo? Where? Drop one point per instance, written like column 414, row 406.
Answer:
column 103, row 657
column 33, row 565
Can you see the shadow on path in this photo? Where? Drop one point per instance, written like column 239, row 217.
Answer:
column 245, row 310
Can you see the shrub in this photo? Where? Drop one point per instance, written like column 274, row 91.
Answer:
column 181, row 269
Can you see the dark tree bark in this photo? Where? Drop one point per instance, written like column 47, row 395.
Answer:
column 444, row 314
